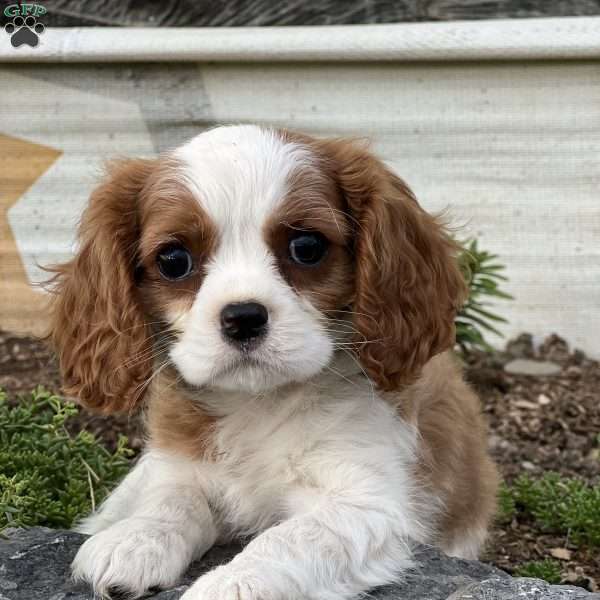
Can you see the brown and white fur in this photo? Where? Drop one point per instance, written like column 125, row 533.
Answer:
column 340, row 438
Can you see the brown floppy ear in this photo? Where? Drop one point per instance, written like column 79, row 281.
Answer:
column 97, row 326
column 408, row 283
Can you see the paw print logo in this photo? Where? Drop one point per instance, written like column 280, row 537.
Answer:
column 24, row 31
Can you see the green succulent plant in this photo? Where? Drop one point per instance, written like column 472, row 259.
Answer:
column 48, row 476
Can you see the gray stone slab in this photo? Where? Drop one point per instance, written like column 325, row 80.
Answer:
column 535, row 368
column 523, row 588
column 34, row 565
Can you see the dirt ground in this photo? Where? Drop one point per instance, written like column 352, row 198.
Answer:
column 540, row 424
column 536, row 424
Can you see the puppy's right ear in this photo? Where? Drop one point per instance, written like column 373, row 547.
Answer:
column 97, row 326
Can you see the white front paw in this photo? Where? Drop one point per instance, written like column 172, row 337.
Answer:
column 132, row 556
column 233, row 582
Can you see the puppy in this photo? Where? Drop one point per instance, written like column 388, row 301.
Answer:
column 282, row 308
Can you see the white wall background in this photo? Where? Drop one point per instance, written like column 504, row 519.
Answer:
column 511, row 148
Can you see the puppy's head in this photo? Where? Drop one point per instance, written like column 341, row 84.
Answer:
column 246, row 259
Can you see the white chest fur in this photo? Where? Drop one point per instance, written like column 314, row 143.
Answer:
column 320, row 469
column 278, row 454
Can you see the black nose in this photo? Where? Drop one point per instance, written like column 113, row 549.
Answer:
column 244, row 321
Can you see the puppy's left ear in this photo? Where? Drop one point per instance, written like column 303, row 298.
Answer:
column 408, row 284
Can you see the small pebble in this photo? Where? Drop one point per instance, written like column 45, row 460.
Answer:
column 525, row 404
column 543, row 400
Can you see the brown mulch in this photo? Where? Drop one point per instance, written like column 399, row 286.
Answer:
column 537, row 424
column 540, row 424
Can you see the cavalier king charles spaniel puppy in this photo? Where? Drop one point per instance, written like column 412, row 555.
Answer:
column 283, row 311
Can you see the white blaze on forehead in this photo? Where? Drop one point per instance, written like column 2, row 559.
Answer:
column 240, row 173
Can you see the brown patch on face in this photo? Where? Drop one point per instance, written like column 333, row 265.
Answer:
column 170, row 214
column 108, row 297
column 407, row 283
column 175, row 422
column 313, row 203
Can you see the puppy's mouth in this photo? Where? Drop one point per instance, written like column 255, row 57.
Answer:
column 254, row 371
column 243, row 361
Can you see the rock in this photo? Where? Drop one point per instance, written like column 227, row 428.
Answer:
column 520, row 587
column 34, row 565
column 561, row 553
column 535, row 368
column 521, row 346
column 554, row 348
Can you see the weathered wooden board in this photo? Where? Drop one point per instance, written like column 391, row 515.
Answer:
column 205, row 13
column 528, row 40
column 513, row 149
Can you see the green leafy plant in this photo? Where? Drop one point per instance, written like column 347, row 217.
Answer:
column 546, row 569
column 47, row 476
column 560, row 505
column 484, row 277
column 506, row 504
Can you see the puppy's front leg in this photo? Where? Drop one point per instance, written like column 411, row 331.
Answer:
column 335, row 551
column 148, row 530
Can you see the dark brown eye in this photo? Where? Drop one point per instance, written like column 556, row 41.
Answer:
column 307, row 247
column 174, row 262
